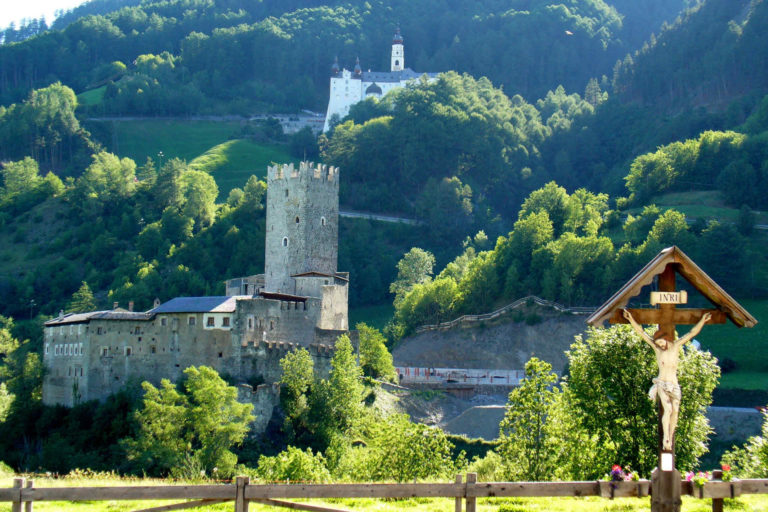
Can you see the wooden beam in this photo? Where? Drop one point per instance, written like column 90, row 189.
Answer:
column 308, row 491
column 533, row 489
column 297, row 506
column 680, row 316
column 182, row 506
column 138, row 492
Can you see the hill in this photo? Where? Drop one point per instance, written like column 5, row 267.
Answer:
column 201, row 57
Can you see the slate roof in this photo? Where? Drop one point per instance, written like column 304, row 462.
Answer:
column 684, row 266
column 393, row 76
column 112, row 314
column 214, row 304
column 314, row 273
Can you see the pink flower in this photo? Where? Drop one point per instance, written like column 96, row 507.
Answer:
column 689, row 476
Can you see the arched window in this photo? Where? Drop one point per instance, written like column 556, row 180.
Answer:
column 322, row 221
column 297, row 219
column 285, row 242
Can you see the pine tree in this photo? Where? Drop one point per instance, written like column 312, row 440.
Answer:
column 82, row 300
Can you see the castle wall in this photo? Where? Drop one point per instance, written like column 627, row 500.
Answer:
column 334, row 308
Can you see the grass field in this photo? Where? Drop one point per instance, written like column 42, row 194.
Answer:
column 92, row 96
column 212, row 146
column 707, row 204
column 747, row 347
column 232, row 162
column 756, row 503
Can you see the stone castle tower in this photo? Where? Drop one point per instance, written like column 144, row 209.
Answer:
column 302, row 224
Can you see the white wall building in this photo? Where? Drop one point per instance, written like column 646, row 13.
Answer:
column 349, row 87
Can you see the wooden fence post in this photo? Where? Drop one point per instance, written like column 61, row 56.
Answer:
column 241, row 504
column 28, row 504
column 18, row 483
column 471, row 500
column 457, row 507
column 717, row 503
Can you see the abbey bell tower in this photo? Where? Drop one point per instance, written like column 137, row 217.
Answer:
column 398, row 53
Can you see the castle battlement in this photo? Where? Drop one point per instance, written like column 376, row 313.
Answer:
column 320, row 172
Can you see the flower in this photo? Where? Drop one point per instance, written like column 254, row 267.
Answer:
column 725, row 467
column 727, row 475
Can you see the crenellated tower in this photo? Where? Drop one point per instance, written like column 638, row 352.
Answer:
column 302, row 224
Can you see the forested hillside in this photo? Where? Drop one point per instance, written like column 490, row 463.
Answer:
column 239, row 55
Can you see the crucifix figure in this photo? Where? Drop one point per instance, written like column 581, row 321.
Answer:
column 665, row 386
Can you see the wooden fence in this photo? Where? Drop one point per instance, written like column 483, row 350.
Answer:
column 485, row 317
column 24, row 494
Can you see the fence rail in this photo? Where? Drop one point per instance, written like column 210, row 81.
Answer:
column 23, row 494
column 470, row 319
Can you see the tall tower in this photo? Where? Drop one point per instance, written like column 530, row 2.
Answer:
column 302, row 223
column 398, row 52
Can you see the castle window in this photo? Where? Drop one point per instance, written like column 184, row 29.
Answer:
column 137, row 330
column 245, row 289
column 139, row 338
column 210, row 321
column 127, row 351
column 225, row 321
column 221, row 354
column 191, row 320
column 163, row 321
column 322, row 221
column 153, row 349
column 250, row 324
column 80, row 349
column 70, row 371
column 271, row 325
column 297, row 219
column 286, row 192
column 46, row 348
column 98, row 330
column 285, row 242
column 104, row 351
column 56, row 350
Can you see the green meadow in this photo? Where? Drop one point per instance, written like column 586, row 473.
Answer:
column 216, row 147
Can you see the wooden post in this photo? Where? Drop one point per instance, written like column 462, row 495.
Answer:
column 241, row 504
column 457, row 506
column 18, row 483
column 717, row 503
column 471, row 500
column 28, row 504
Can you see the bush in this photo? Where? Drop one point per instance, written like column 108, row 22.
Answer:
column 6, row 471
column 293, row 465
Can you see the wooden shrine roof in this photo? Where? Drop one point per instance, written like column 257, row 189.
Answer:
column 684, row 266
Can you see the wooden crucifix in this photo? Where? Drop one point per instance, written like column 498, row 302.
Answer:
column 667, row 316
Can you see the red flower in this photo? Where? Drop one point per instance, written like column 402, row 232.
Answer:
column 616, row 467
column 726, row 467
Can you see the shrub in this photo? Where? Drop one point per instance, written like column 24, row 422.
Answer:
column 293, row 465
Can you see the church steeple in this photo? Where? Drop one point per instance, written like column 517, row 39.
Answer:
column 398, row 52
column 335, row 67
column 358, row 69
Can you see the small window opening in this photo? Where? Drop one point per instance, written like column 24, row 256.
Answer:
column 153, row 349
column 297, row 219
column 271, row 325
column 250, row 326
column 286, row 192
column 225, row 321
column 163, row 322
column 285, row 242
column 104, row 351
column 191, row 320
column 221, row 354
column 128, row 351
column 210, row 321
column 322, row 221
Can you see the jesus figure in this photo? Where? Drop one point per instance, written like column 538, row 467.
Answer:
column 665, row 386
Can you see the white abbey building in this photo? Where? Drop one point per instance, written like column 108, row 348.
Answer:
column 349, row 87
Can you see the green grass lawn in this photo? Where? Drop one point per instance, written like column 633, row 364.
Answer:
column 212, row 146
column 700, row 203
column 591, row 504
column 232, row 162
column 92, row 96
column 748, row 347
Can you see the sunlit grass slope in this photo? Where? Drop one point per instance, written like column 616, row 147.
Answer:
column 211, row 146
column 747, row 347
column 91, row 96
column 232, row 162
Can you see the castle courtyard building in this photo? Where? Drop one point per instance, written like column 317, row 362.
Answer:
column 299, row 301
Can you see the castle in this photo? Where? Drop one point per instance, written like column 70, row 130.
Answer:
column 350, row 87
column 300, row 300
